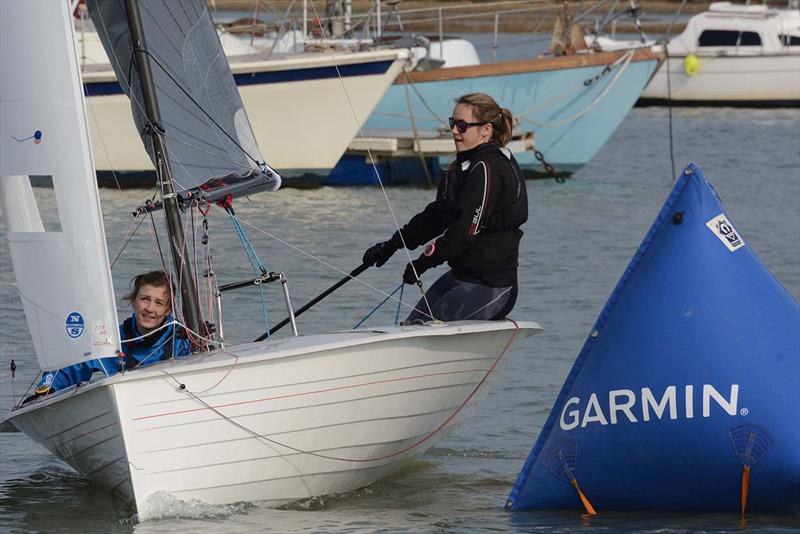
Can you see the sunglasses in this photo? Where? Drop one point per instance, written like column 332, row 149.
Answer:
column 462, row 126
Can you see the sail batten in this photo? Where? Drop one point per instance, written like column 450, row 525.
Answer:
column 211, row 147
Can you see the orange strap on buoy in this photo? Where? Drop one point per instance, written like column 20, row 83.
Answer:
column 561, row 460
column 586, row 504
column 750, row 442
column 745, row 486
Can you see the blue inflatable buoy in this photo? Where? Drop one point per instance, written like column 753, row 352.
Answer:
column 686, row 394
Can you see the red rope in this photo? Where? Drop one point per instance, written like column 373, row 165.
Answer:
column 450, row 418
column 235, row 361
column 376, row 458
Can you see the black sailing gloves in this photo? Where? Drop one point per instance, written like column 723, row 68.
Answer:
column 420, row 265
column 379, row 254
column 415, row 269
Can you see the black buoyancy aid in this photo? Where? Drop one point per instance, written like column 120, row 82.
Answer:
column 513, row 211
column 145, row 343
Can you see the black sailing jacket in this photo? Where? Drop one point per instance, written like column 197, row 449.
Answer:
column 479, row 208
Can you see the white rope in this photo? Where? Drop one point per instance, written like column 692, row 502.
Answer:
column 627, row 57
column 568, row 94
column 160, row 328
column 523, row 116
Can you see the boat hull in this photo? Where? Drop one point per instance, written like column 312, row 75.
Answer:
column 757, row 80
column 290, row 103
column 569, row 105
column 274, row 421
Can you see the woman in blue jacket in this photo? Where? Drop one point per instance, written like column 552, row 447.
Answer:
column 147, row 336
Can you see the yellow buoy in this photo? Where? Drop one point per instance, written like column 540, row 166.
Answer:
column 690, row 64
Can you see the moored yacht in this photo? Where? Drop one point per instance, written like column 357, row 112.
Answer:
column 730, row 54
column 284, row 96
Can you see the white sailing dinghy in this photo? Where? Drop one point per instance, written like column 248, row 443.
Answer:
column 277, row 420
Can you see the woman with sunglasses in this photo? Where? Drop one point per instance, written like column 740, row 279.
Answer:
column 474, row 222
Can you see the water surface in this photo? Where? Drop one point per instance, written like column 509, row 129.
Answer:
column 579, row 239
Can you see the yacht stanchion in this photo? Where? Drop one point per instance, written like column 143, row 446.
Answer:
column 355, row 272
column 285, row 286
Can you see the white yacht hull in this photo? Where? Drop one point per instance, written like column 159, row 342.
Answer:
column 303, row 114
column 754, row 78
column 273, row 421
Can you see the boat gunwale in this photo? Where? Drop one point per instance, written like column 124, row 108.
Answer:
column 525, row 66
column 258, row 63
column 222, row 357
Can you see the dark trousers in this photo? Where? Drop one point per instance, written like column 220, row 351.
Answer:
column 451, row 299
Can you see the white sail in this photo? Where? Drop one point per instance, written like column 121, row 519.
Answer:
column 62, row 270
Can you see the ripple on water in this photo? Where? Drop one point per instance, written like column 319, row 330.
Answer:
column 578, row 240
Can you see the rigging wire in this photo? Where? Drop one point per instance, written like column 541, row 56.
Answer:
column 177, row 309
column 376, row 308
column 126, row 83
column 197, row 104
column 667, row 39
column 102, row 142
column 399, row 303
column 255, row 261
column 669, row 116
column 374, row 167
column 85, row 99
column 135, row 100
column 126, row 238
column 327, row 264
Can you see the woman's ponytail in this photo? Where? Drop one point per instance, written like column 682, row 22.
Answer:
column 486, row 109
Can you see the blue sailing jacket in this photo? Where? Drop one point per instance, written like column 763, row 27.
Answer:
column 161, row 345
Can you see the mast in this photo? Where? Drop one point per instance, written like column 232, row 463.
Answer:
column 177, row 241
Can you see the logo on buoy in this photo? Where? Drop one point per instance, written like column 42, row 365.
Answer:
column 74, row 325
column 644, row 405
column 724, row 230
